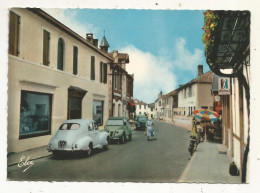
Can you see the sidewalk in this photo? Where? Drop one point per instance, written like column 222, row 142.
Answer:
column 209, row 164
column 37, row 153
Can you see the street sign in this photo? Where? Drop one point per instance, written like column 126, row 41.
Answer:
column 224, row 86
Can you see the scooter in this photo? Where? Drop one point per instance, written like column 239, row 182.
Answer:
column 193, row 145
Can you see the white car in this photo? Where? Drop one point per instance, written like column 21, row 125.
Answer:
column 78, row 135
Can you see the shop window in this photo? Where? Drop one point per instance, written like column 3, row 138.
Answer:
column 46, row 48
column 92, row 68
column 14, row 31
column 98, row 112
column 75, row 60
column 60, row 61
column 35, row 114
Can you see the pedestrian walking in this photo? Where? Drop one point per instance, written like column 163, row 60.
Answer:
column 149, row 129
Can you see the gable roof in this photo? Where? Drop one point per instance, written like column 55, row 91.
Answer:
column 203, row 78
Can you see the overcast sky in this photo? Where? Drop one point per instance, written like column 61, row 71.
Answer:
column 164, row 46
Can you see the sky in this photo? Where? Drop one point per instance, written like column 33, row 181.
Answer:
column 164, row 46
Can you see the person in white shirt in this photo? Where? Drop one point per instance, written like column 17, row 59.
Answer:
column 149, row 129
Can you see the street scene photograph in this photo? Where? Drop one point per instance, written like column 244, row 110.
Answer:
column 128, row 95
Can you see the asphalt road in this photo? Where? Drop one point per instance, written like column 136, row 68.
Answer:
column 139, row 160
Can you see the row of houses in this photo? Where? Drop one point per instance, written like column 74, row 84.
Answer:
column 225, row 89
column 54, row 74
column 180, row 103
column 143, row 108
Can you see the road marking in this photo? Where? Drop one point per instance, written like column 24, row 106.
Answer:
column 187, row 168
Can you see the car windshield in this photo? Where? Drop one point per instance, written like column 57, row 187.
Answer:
column 69, row 126
column 115, row 122
column 141, row 119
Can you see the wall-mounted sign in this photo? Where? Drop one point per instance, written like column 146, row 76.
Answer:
column 224, row 86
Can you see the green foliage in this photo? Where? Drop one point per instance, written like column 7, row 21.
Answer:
column 211, row 20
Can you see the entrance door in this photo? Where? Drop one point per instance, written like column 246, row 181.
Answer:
column 74, row 107
column 75, row 97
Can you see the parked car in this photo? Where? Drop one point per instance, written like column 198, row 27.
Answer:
column 78, row 135
column 141, row 122
column 119, row 129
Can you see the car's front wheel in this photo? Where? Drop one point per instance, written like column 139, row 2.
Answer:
column 105, row 147
column 123, row 139
column 90, row 148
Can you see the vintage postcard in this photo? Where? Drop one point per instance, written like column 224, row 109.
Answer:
column 148, row 95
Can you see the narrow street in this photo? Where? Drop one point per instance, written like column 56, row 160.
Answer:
column 161, row 160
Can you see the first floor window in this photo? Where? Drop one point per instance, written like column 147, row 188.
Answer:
column 98, row 112
column 35, row 114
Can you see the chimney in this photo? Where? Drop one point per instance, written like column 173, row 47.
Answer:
column 95, row 42
column 200, row 70
column 89, row 37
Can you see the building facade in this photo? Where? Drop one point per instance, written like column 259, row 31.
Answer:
column 54, row 74
column 196, row 94
column 230, row 60
column 143, row 108
column 159, row 105
column 171, row 102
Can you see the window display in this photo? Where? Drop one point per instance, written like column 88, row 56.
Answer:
column 35, row 114
column 98, row 112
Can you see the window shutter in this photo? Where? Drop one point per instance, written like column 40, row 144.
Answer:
column 75, row 60
column 60, row 54
column 46, row 40
column 105, row 73
column 92, row 67
column 101, row 72
column 14, row 34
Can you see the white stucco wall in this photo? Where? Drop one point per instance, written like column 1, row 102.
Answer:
column 26, row 72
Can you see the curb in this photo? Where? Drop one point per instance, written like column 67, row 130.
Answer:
column 187, row 169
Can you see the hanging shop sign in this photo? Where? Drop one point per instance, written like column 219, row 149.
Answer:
column 224, row 86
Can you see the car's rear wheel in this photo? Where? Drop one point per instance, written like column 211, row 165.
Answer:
column 123, row 139
column 90, row 148
column 105, row 147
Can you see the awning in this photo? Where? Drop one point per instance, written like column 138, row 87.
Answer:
column 76, row 91
column 130, row 103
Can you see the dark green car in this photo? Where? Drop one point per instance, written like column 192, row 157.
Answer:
column 141, row 122
column 118, row 129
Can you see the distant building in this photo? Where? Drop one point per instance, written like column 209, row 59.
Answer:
column 160, row 105
column 195, row 94
column 143, row 108
column 171, row 101
column 120, row 84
